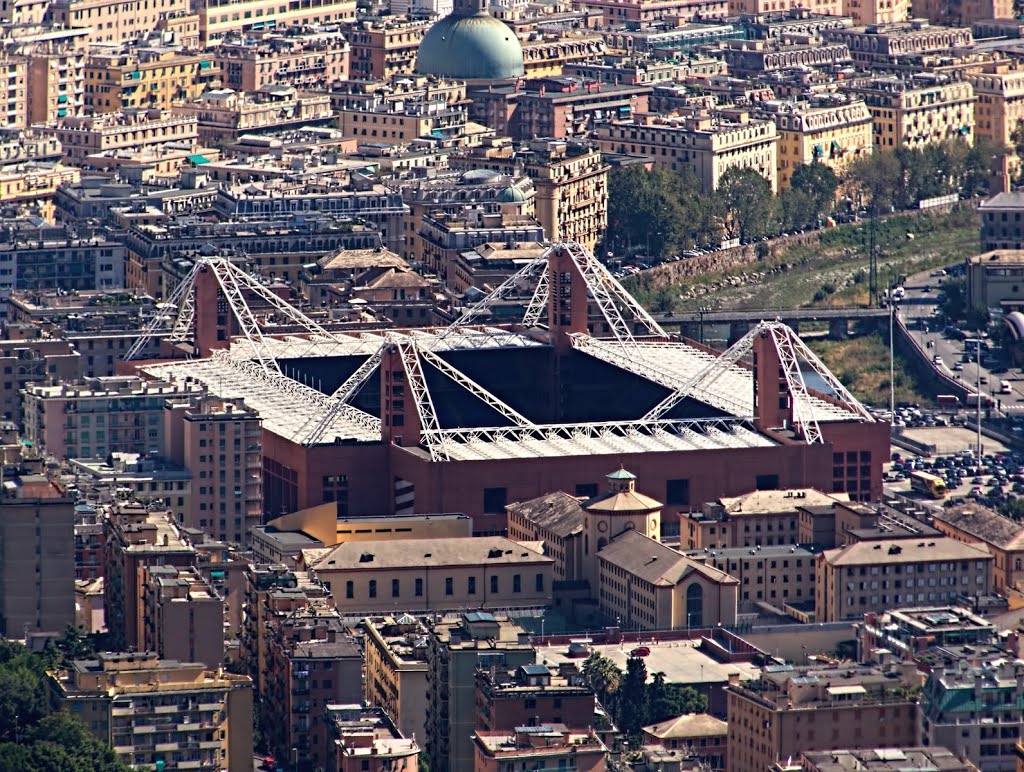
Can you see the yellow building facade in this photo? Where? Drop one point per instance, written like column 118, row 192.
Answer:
column 832, row 134
column 218, row 18
column 116, row 21
column 870, row 12
column 909, row 115
column 545, row 56
column 147, row 78
column 1000, row 106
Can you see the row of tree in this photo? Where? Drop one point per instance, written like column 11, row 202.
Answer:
column 660, row 213
column 33, row 736
column 633, row 702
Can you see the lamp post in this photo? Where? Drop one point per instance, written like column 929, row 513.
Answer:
column 700, row 315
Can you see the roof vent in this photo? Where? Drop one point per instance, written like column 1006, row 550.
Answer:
column 366, row 557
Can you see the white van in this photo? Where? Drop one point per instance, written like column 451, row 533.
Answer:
column 1005, row 387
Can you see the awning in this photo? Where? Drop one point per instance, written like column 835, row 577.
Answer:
column 61, row 112
column 818, row 150
column 205, row 64
column 965, row 129
column 199, row 160
column 62, row 99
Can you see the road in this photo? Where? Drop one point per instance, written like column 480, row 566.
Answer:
column 920, row 303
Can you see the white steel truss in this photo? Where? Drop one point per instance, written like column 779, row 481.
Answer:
column 790, row 364
column 538, row 307
column 502, row 291
column 610, row 296
column 181, row 295
column 347, row 390
column 430, row 429
column 475, row 389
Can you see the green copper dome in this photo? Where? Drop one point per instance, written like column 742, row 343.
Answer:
column 511, row 195
column 470, row 47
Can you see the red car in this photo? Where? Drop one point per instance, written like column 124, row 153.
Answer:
column 640, row 651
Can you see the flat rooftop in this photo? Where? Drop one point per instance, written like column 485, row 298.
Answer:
column 681, row 661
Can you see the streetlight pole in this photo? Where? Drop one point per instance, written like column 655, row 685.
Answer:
column 977, row 367
column 892, row 358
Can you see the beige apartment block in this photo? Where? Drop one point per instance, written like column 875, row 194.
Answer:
column 395, row 662
column 530, row 747
column 56, row 73
column 383, row 48
column 183, row 618
column 37, row 557
column 546, row 55
column 219, row 441
column 14, row 97
column 816, row 7
column 224, row 114
column 220, row 18
column 784, row 713
column 115, row 21
column 999, row 88
column 420, row 575
column 35, row 181
column 864, row 12
column 708, row 143
column 313, row 59
column 829, row 130
column 873, row 576
column 150, row 709
column 884, row 42
column 962, row 13
column 124, row 130
column 146, row 78
column 919, row 112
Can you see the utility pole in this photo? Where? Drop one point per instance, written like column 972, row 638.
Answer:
column 873, row 254
column 977, row 367
column 892, row 358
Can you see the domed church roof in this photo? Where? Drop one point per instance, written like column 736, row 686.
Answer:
column 470, row 44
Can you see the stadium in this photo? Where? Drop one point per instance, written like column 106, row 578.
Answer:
column 470, row 417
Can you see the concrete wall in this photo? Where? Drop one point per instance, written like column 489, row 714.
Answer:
column 795, row 643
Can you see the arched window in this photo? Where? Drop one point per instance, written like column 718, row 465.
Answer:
column 601, row 543
column 694, row 605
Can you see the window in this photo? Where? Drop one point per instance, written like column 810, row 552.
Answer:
column 586, row 490
column 517, row 583
column 373, row 588
column 449, row 586
column 494, row 500
column 540, row 583
column 350, row 590
column 471, row 585
column 494, row 584
column 396, row 589
column 677, row 492
column 695, row 605
column 419, row 588
column 767, row 482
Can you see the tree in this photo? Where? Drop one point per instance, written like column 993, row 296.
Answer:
column 879, row 177
column 633, row 697
column 602, row 675
column 670, row 700
column 810, row 197
column 953, row 301
column 747, row 204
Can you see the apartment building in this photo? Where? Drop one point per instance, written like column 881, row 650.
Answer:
column 557, row 520
column 832, row 130
column 456, row 647
column 910, row 632
column 219, row 19
column 531, row 695
column 219, row 442
column 700, row 734
column 963, row 13
column 365, row 739
column 976, row 710
column 707, row 143
column 780, row 576
column 547, row 54
column 921, row 111
column 114, row 21
column 872, row 576
column 126, row 129
column 149, row 477
column 183, row 618
column 978, row 525
column 312, row 663
column 37, row 555
column 791, row 710
column 88, row 545
column 147, row 78
column 617, row 12
column 134, row 538
column 56, row 60
column 1001, row 223
column 14, row 98
column 570, row 181
column 530, row 746
column 876, row 12
column 645, row 585
column 395, row 663
column 999, row 109
column 91, row 418
column 314, row 58
column 765, row 518
column 758, row 7
column 882, row 43
column 756, row 58
column 225, row 114
column 885, row 759
column 993, row 278
column 162, row 713
column 271, row 594
column 33, row 360
column 434, row 575
column 385, row 47
column 35, row 255
column 405, row 118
